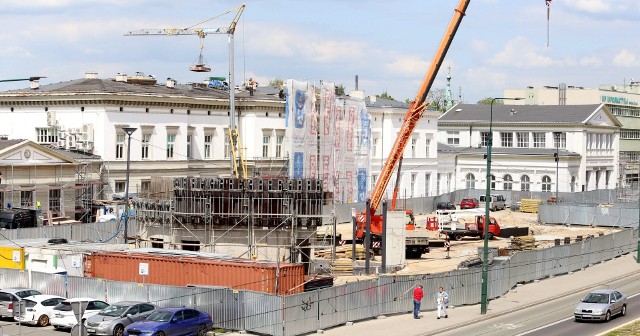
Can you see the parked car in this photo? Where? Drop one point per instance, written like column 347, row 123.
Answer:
column 445, row 206
column 600, row 305
column 172, row 321
column 496, row 202
column 64, row 318
column 10, row 296
column 38, row 309
column 469, row 203
column 113, row 319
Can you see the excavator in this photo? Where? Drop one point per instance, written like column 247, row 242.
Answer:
column 416, row 245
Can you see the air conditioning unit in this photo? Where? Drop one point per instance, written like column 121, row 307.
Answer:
column 51, row 119
column 71, row 141
column 87, row 132
column 61, row 142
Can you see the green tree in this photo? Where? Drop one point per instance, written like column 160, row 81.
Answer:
column 487, row 101
column 276, row 82
column 385, row 95
column 340, row 90
column 437, row 99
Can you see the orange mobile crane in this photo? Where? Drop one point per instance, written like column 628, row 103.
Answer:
column 416, row 246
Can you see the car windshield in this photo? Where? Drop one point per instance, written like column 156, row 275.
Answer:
column 160, row 316
column 596, row 298
column 115, row 310
column 63, row 306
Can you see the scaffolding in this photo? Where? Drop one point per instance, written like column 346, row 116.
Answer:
column 205, row 213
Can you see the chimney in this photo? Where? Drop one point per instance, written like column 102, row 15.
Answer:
column 171, row 83
column 356, row 82
column 121, row 77
column 35, row 84
column 90, row 75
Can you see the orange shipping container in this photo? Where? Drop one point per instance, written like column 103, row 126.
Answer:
column 182, row 271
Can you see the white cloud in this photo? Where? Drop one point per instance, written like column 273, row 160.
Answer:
column 521, row 53
column 593, row 6
column 14, row 52
column 406, row 66
column 626, row 59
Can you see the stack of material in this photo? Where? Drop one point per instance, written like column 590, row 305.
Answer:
column 523, row 243
column 342, row 266
column 342, row 252
column 530, row 205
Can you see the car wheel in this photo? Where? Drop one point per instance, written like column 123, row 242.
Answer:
column 458, row 237
column 623, row 312
column 118, row 330
column 43, row 320
column 202, row 330
column 489, row 236
column 160, row 333
column 607, row 316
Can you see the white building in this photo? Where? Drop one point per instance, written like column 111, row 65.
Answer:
column 525, row 141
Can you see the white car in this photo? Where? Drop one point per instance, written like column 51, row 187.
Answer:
column 64, row 318
column 38, row 309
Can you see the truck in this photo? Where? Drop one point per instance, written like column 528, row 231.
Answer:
column 18, row 218
column 417, row 242
column 475, row 229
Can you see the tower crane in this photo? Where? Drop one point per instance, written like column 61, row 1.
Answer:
column 236, row 160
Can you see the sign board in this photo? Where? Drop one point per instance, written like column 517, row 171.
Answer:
column 16, row 256
column 143, row 269
column 76, row 261
column 78, row 308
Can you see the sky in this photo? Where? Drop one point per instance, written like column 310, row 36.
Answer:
column 501, row 44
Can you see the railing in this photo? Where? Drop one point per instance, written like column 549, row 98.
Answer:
column 307, row 312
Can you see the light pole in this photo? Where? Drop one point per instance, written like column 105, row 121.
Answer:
column 487, row 221
column 129, row 131
column 556, row 135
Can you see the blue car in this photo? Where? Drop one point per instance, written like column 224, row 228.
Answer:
column 172, row 322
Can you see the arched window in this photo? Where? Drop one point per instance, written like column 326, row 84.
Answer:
column 508, row 182
column 573, row 183
column 471, row 181
column 493, row 182
column 525, row 183
column 546, row 183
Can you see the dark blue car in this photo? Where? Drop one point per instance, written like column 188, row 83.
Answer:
column 172, row 322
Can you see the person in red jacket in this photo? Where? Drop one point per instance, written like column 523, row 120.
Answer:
column 418, row 294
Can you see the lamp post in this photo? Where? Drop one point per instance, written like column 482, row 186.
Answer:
column 556, row 135
column 487, row 221
column 129, row 131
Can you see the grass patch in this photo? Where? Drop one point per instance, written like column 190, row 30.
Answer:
column 628, row 330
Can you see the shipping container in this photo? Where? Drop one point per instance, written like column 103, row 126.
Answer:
column 189, row 270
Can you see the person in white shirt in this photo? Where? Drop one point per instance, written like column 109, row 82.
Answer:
column 443, row 303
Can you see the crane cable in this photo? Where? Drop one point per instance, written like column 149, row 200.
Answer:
column 215, row 17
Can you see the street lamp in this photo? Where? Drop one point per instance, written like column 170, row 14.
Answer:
column 556, row 135
column 129, row 131
column 487, row 221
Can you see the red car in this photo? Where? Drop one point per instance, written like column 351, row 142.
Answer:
column 469, row 203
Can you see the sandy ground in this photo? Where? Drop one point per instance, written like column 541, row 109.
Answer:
column 437, row 261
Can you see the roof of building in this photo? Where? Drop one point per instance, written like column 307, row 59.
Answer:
column 110, row 85
column 70, row 154
column 383, row 102
column 569, row 114
column 444, row 148
column 9, row 143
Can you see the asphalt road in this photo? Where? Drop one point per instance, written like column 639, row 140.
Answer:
column 11, row 328
column 555, row 317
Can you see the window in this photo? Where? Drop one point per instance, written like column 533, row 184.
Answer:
column 539, row 140
column 507, row 139
column 189, row 146
column 470, row 180
column 171, row 142
column 26, row 198
column 374, row 148
column 46, row 135
column 120, row 146
column 439, row 177
column 207, row 146
column 507, row 182
column 146, row 142
column 546, row 183
column 427, row 182
column 190, row 245
column 428, row 146
column 563, row 140
column 157, row 242
column 525, row 183
column 54, row 200
column 119, row 186
column 145, row 188
column 279, row 141
column 374, row 179
column 629, row 134
column 453, row 137
column 414, row 142
column 493, row 182
column 265, row 145
column 227, row 146
column 414, row 177
column 523, row 139
column 485, row 139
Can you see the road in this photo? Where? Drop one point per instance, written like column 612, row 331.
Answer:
column 11, row 328
column 555, row 317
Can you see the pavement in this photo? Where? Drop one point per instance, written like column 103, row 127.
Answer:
column 520, row 297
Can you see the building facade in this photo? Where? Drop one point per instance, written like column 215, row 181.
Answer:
column 526, row 141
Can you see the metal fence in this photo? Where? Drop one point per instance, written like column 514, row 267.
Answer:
column 611, row 215
column 307, row 312
column 103, row 232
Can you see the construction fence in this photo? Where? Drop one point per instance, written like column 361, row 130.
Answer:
column 308, row 312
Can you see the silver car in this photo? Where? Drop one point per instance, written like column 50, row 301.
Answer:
column 9, row 298
column 113, row 319
column 600, row 305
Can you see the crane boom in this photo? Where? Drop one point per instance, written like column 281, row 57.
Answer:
column 416, row 109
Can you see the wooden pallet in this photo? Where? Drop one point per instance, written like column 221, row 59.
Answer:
column 530, row 205
column 342, row 266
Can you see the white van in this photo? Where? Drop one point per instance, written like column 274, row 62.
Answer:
column 497, row 202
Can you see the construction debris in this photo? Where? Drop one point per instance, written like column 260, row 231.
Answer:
column 342, row 252
column 342, row 266
column 523, row 243
column 530, row 205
